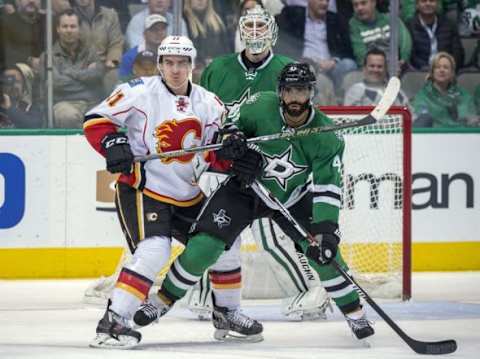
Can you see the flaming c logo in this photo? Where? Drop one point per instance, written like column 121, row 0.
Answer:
column 172, row 134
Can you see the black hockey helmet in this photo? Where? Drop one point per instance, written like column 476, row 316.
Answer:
column 299, row 74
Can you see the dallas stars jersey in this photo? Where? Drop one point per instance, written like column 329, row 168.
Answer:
column 289, row 163
column 229, row 79
column 159, row 121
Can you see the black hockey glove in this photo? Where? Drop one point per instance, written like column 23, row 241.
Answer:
column 326, row 250
column 248, row 167
column 233, row 147
column 118, row 153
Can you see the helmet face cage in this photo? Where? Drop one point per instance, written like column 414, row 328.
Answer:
column 297, row 74
column 177, row 46
column 258, row 30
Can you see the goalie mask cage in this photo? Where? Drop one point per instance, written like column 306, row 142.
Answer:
column 375, row 219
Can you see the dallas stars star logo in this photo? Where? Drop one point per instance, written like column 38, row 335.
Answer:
column 234, row 106
column 282, row 168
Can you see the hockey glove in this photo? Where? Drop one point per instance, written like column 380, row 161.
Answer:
column 118, row 153
column 248, row 167
column 233, row 147
column 326, row 250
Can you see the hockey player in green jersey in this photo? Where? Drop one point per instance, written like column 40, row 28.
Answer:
column 234, row 79
column 284, row 167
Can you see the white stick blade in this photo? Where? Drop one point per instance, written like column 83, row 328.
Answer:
column 388, row 98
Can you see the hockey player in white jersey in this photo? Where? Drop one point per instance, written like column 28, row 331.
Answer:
column 157, row 199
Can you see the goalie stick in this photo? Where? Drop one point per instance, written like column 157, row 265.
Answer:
column 387, row 100
column 419, row 347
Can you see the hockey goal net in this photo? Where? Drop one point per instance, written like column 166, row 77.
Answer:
column 375, row 214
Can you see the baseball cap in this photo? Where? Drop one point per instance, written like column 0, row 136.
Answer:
column 146, row 55
column 152, row 19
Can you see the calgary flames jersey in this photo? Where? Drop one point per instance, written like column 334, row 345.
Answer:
column 156, row 121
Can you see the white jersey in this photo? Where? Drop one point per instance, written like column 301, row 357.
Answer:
column 159, row 121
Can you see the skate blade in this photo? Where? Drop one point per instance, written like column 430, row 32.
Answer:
column 105, row 341
column 362, row 343
column 203, row 315
column 301, row 316
column 227, row 336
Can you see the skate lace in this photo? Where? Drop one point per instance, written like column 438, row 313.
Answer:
column 150, row 310
column 239, row 318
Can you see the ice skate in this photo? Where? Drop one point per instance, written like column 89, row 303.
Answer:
column 360, row 325
column 233, row 325
column 114, row 332
column 151, row 311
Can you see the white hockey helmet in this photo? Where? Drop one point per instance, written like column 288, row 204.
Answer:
column 258, row 30
column 178, row 46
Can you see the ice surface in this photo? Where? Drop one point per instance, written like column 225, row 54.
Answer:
column 47, row 319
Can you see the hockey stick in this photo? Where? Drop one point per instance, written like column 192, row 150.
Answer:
column 419, row 347
column 388, row 98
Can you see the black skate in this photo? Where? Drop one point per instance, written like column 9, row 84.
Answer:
column 361, row 326
column 114, row 332
column 151, row 311
column 244, row 328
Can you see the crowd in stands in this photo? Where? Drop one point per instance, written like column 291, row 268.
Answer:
column 99, row 43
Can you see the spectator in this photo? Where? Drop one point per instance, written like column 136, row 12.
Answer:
column 60, row 5
column 136, row 25
column 206, row 30
column 121, row 7
column 408, row 8
column 22, row 34
column 313, row 32
column 343, row 7
column 7, row 7
column 155, row 31
column 101, row 28
column 145, row 64
column 441, row 102
column 370, row 28
column 16, row 108
column 375, row 77
column 431, row 34
column 77, row 73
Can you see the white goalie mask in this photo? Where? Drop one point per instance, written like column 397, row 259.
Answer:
column 178, row 46
column 258, row 30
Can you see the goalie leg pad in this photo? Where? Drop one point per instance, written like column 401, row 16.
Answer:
column 309, row 305
column 199, row 299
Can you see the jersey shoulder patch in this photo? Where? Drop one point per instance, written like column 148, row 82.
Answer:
column 135, row 82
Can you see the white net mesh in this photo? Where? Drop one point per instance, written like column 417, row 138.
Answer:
column 371, row 219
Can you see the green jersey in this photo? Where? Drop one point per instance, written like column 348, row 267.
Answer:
column 229, row 79
column 289, row 163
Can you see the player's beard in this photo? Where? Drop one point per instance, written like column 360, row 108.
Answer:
column 296, row 112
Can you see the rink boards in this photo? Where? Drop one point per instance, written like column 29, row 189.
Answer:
column 56, row 217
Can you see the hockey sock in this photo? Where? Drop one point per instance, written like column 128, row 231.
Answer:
column 138, row 275
column 201, row 252
column 227, row 288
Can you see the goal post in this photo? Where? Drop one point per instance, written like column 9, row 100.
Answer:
column 375, row 219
